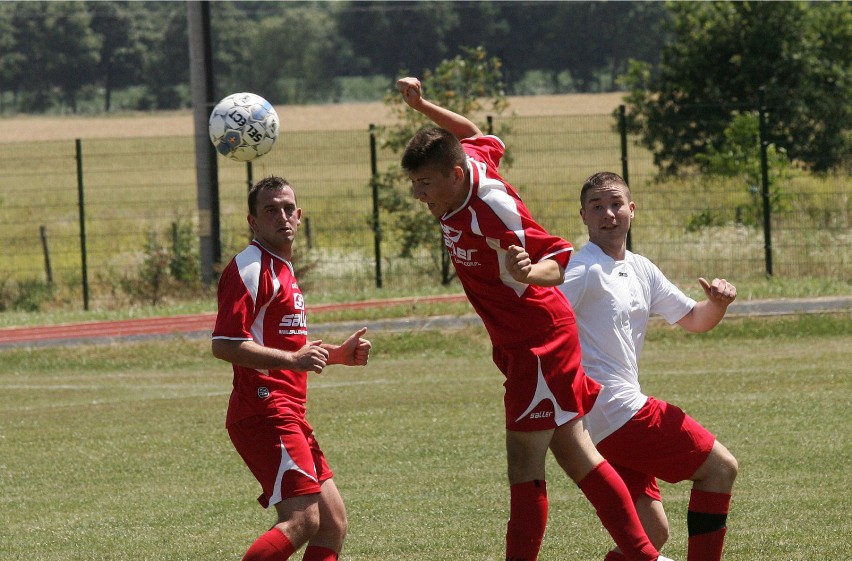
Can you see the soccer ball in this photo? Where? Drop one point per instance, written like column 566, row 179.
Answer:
column 243, row 126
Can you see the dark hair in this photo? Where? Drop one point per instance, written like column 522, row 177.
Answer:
column 433, row 146
column 271, row 183
column 602, row 179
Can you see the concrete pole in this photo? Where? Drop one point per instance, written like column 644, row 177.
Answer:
column 206, row 167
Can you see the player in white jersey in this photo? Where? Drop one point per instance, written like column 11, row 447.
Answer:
column 509, row 267
column 614, row 292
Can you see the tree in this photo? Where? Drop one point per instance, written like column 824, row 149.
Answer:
column 739, row 156
column 469, row 84
column 11, row 61
column 121, row 53
column 292, row 57
column 720, row 53
column 398, row 34
column 163, row 34
column 75, row 49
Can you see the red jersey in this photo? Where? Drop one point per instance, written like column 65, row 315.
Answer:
column 260, row 301
column 477, row 236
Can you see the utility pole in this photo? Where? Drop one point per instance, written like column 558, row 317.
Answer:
column 206, row 166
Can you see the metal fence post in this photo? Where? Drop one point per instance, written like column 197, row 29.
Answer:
column 622, row 129
column 84, row 273
column 46, row 250
column 374, row 184
column 764, row 182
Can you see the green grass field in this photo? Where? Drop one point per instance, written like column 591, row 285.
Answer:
column 118, row 452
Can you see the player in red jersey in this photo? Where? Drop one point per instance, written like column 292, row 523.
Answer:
column 509, row 267
column 262, row 329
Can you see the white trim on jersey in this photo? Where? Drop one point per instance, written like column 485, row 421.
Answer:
column 555, row 253
column 494, row 194
column 248, row 264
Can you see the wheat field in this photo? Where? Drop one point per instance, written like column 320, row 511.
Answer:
column 343, row 116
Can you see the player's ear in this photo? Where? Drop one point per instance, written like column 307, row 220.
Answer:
column 458, row 173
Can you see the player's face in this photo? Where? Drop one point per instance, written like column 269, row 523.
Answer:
column 277, row 220
column 440, row 192
column 607, row 213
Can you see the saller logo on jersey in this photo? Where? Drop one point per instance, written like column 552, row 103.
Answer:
column 294, row 320
column 262, row 392
column 460, row 255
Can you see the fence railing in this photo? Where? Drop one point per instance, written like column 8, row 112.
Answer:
column 106, row 222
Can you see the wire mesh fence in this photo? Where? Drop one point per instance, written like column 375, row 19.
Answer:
column 118, row 218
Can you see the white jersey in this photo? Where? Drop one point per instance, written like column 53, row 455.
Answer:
column 613, row 301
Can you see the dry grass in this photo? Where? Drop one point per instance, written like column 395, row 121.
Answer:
column 349, row 116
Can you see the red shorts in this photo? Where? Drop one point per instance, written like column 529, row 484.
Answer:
column 545, row 384
column 283, row 455
column 659, row 441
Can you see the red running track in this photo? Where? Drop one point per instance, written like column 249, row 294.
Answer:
column 11, row 336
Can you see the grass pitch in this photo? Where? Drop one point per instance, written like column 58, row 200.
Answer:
column 119, row 452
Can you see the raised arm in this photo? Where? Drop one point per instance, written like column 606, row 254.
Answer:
column 705, row 315
column 459, row 125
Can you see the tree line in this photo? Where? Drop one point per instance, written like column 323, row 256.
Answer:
column 688, row 69
column 66, row 56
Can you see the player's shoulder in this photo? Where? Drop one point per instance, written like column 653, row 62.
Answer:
column 589, row 254
column 486, row 148
column 247, row 264
column 485, row 140
column 642, row 263
column 579, row 264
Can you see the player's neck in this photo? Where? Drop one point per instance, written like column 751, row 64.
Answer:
column 284, row 252
column 617, row 251
column 463, row 193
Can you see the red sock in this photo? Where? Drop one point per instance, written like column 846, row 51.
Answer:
column 706, row 519
column 614, row 556
column 271, row 546
column 315, row 553
column 527, row 520
column 608, row 494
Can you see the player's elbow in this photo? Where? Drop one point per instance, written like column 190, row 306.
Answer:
column 221, row 349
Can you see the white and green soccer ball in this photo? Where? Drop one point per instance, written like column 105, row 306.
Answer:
column 243, row 126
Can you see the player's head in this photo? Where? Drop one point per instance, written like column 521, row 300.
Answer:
column 434, row 147
column 437, row 166
column 271, row 183
column 606, row 209
column 274, row 216
column 603, row 179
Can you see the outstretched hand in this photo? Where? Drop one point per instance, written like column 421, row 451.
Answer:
column 719, row 291
column 355, row 351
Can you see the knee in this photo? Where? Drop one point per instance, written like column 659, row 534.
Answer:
column 337, row 524
column 718, row 472
column 728, row 469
